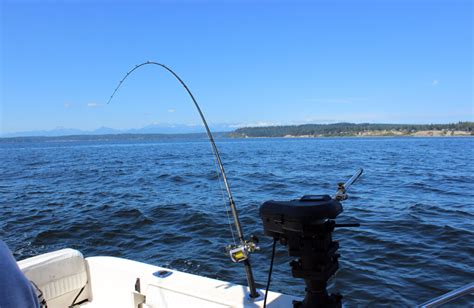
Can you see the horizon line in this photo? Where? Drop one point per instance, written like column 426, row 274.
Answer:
column 136, row 131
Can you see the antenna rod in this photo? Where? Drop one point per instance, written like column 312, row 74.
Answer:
column 353, row 178
column 343, row 187
column 248, row 268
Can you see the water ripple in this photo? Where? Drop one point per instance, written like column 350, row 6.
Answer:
column 161, row 203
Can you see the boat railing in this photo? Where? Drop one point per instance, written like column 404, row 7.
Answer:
column 449, row 297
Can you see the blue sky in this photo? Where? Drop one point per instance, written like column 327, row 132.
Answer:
column 247, row 63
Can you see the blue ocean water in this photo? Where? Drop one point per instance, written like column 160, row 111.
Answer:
column 160, row 202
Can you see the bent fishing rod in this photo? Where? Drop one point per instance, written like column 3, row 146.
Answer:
column 238, row 253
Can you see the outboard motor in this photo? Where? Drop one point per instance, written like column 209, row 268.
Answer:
column 305, row 226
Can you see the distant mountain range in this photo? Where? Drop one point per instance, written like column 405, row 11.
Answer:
column 149, row 129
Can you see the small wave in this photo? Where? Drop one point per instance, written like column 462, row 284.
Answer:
column 421, row 209
column 45, row 237
column 36, row 163
column 177, row 179
column 275, row 185
column 212, row 176
column 55, row 204
column 129, row 217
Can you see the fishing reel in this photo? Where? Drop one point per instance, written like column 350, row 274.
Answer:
column 305, row 226
column 239, row 253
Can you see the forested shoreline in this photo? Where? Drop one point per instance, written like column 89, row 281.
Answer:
column 288, row 131
column 352, row 129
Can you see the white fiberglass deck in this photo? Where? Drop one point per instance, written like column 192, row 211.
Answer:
column 111, row 282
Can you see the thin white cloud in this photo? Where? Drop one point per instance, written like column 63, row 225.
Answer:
column 435, row 82
column 340, row 100
column 67, row 105
column 92, row 105
column 171, row 110
column 336, row 100
column 255, row 124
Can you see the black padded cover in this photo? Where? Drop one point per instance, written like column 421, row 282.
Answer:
column 314, row 206
column 298, row 215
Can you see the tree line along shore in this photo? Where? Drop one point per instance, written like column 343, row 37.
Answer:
column 288, row 131
column 356, row 130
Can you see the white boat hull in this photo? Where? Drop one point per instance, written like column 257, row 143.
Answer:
column 111, row 282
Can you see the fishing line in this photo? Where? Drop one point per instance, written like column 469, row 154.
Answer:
column 227, row 208
column 209, row 134
column 238, row 227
